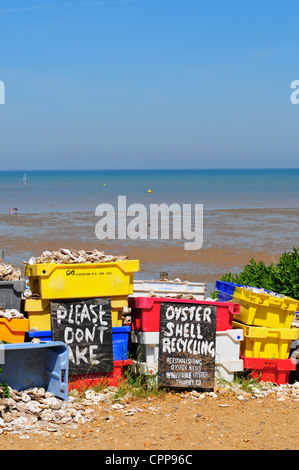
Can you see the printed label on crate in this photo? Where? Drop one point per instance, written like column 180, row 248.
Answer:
column 187, row 345
column 86, row 327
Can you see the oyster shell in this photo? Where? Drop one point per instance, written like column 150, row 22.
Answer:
column 9, row 273
column 11, row 314
column 70, row 256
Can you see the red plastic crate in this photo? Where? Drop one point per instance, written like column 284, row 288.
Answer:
column 83, row 381
column 269, row 370
column 145, row 312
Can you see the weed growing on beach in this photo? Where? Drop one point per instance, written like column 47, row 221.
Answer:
column 282, row 277
column 4, row 390
column 246, row 383
column 138, row 385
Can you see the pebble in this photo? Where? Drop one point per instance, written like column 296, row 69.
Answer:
column 36, row 410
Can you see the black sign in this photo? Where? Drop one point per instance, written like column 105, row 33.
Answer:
column 187, row 345
column 86, row 327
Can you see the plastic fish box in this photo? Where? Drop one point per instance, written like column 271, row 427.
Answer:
column 145, row 312
column 113, row 379
column 39, row 313
column 11, row 294
column 225, row 290
column 228, row 345
column 269, row 370
column 143, row 288
column 263, row 342
column 294, row 353
column 82, row 280
column 14, row 330
column 145, row 368
column 226, row 370
column 118, row 305
column 29, row 365
column 227, row 353
column 147, row 349
column 120, row 341
column 149, row 370
column 41, row 335
column 267, row 310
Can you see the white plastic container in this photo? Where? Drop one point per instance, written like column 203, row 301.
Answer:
column 145, row 368
column 227, row 353
column 150, row 371
column 226, row 369
column 228, row 345
column 227, row 357
column 148, row 341
column 143, row 288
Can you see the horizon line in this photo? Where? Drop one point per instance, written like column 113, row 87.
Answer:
column 149, row 169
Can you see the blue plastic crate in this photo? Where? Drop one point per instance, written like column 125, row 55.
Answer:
column 226, row 290
column 28, row 365
column 42, row 335
column 120, row 342
column 227, row 287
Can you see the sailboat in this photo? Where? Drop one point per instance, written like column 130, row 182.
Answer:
column 24, row 178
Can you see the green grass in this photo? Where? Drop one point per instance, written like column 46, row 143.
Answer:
column 138, row 385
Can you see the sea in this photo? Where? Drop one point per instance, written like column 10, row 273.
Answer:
column 242, row 209
column 82, row 190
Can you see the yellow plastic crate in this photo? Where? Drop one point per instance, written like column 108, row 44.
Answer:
column 265, row 310
column 117, row 306
column 266, row 343
column 13, row 331
column 69, row 281
column 39, row 314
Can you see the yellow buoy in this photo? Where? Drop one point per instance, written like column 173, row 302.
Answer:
column 149, row 190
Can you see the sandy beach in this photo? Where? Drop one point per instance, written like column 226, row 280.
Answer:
column 230, row 239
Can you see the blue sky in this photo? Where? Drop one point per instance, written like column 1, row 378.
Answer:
column 148, row 84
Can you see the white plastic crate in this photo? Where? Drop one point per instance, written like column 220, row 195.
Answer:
column 149, row 370
column 169, row 288
column 228, row 345
column 227, row 353
column 145, row 368
column 148, row 341
column 226, row 369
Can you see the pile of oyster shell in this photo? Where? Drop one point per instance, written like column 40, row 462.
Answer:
column 66, row 256
column 10, row 314
column 9, row 273
column 295, row 323
column 36, row 410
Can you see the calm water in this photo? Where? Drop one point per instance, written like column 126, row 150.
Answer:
column 61, row 206
column 68, row 191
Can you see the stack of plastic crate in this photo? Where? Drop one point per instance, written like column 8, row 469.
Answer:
column 26, row 365
column 163, row 288
column 144, row 345
column 50, row 281
column 11, row 296
column 266, row 320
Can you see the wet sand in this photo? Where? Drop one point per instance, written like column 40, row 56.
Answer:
column 230, row 239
